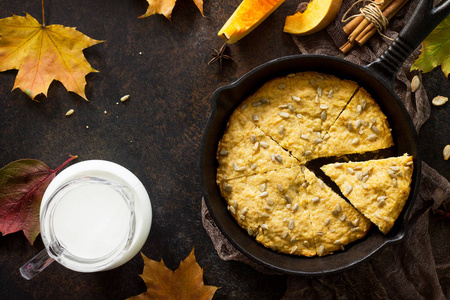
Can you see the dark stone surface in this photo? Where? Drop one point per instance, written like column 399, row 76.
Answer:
column 156, row 134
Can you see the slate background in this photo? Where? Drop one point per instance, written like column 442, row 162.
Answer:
column 156, row 134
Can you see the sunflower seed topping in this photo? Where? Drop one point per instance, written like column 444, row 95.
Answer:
column 356, row 229
column 290, row 75
column 244, row 106
column 263, row 187
column 264, row 101
column 231, row 209
column 348, row 190
column 394, row 182
column 227, row 187
column 295, row 207
column 284, row 235
column 284, row 115
column 256, row 146
column 338, row 242
column 269, row 201
column 351, row 171
column 272, row 157
column 242, row 217
column 264, row 194
column 364, row 186
column 363, row 104
column 335, row 212
column 305, row 137
column 316, row 100
column 342, row 218
column 321, row 250
column 349, row 126
column 323, row 106
column 281, row 130
column 357, row 123
column 237, row 168
column 381, row 203
column 280, row 187
column 377, row 214
column 318, row 141
column 323, row 115
column 281, row 86
column 296, row 98
column 319, row 233
column 306, row 243
column 338, row 207
column 359, row 109
column 283, row 106
column 308, row 153
column 331, row 93
column 410, row 163
column 327, row 221
column 288, row 199
column 372, row 137
column 252, row 167
column 312, row 82
column 387, row 219
column 319, row 91
column 256, row 103
column 279, row 158
column 359, row 176
column 244, row 210
column 223, row 152
column 255, row 118
column 288, row 206
column 253, row 138
column 374, row 129
column 263, row 144
column 315, row 200
column 355, row 141
column 291, row 224
column 264, row 226
column 250, row 231
column 293, row 239
column 337, row 165
column 356, row 222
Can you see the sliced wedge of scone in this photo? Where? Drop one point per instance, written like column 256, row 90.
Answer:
column 251, row 199
column 360, row 128
column 272, row 109
column 288, row 228
column 334, row 222
column 377, row 188
column 245, row 150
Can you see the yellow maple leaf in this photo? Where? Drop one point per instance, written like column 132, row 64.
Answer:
column 184, row 283
column 43, row 54
column 165, row 7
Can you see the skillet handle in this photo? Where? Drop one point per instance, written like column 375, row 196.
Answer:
column 424, row 19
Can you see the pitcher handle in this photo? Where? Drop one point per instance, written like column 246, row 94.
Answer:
column 35, row 265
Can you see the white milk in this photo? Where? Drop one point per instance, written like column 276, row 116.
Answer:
column 93, row 221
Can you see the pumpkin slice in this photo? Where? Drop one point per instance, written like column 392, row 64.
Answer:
column 247, row 17
column 317, row 16
column 377, row 188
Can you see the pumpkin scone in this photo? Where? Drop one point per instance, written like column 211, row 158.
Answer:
column 360, row 128
column 288, row 228
column 377, row 188
column 335, row 223
column 251, row 199
column 245, row 150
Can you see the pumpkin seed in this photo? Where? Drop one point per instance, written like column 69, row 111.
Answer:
column 439, row 100
column 446, row 152
column 415, row 83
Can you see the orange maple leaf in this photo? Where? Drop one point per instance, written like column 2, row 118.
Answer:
column 165, row 7
column 43, row 54
column 184, row 283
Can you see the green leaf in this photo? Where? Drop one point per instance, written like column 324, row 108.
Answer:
column 435, row 50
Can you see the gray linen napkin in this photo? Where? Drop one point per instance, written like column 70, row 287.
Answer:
column 419, row 266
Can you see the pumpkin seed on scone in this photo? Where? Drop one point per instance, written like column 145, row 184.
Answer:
column 251, row 199
column 377, row 188
column 361, row 127
column 335, row 223
column 245, row 150
column 288, row 228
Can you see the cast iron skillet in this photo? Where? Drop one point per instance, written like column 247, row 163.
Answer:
column 378, row 79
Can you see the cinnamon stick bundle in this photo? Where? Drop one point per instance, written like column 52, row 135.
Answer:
column 360, row 30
